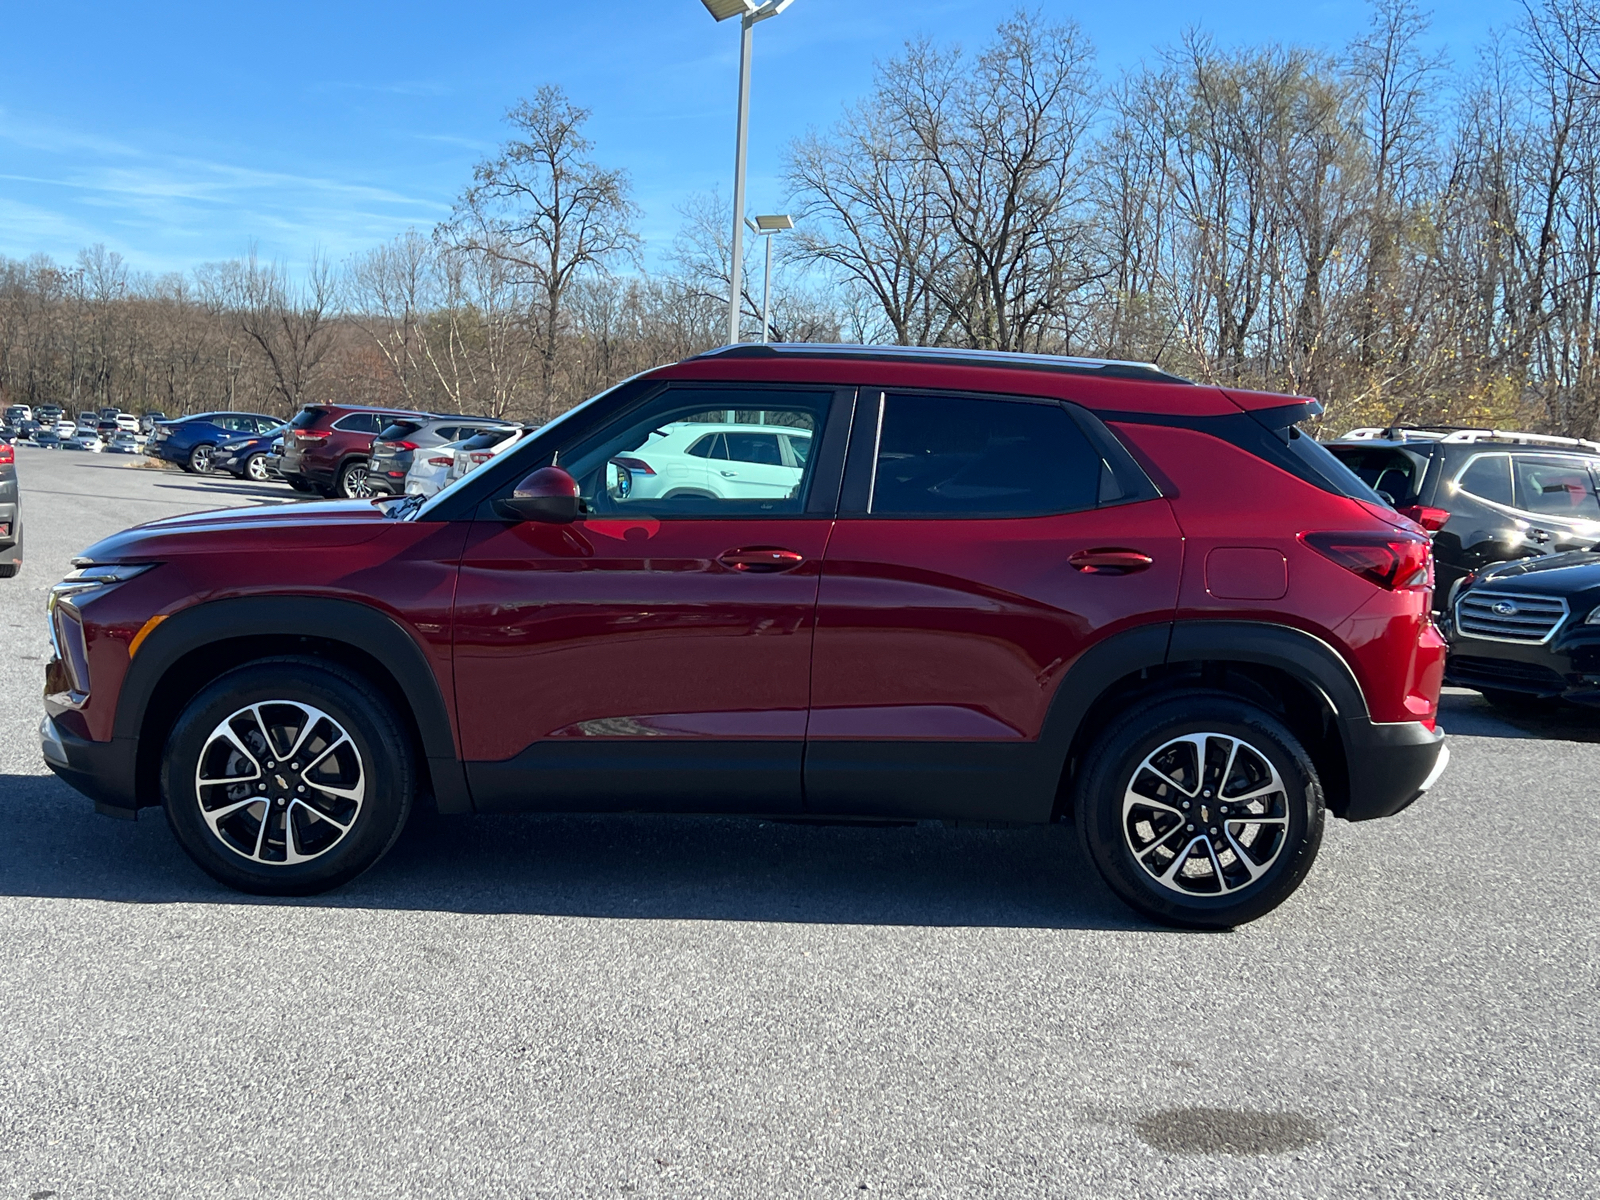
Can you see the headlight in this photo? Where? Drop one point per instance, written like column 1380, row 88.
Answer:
column 1594, row 616
column 66, row 622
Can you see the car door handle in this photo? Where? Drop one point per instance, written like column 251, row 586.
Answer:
column 730, row 474
column 761, row 559
column 1110, row 562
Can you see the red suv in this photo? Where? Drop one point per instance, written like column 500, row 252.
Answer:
column 906, row 584
column 327, row 448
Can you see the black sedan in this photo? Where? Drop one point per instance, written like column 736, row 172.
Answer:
column 249, row 457
column 1528, row 630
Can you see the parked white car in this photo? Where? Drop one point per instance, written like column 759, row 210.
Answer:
column 716, row 461
column 474, row 452
column 430, row 469
column 65, row 429
column 127, row 423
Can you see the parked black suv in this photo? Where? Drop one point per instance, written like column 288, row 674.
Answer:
column 1488, row 495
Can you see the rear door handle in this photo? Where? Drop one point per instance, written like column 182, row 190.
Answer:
column 761, row 559
column 1110, row 561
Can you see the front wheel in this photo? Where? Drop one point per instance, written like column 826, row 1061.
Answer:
column 287, row 777
column 1202, row 810
column 352, row 483
column 255, row 468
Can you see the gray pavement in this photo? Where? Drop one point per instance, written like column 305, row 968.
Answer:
column 564, row 1007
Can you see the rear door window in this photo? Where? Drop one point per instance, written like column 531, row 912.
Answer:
column 1488, row 477
column 1555, row 486
column 953, row 456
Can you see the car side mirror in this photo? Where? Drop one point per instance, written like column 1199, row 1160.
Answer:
column 549, row 495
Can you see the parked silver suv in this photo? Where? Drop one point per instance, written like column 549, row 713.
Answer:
column 397, row 444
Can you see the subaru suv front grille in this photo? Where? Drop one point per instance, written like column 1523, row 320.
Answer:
column 1509, row 616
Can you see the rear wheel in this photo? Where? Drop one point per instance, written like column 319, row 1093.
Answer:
column 287, row 777
column 200, row 460
column 352, row 483
column 1201, row 810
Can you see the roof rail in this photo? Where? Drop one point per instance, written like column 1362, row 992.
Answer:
column 1005, row 359
column 1458, row 434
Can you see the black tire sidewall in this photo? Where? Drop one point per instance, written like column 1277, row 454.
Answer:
column 386, row 757
column 1125, row 746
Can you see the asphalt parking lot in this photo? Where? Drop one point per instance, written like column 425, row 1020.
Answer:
column 563, row 1007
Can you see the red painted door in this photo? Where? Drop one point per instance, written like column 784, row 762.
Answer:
column 654, row 655
column 945, row 625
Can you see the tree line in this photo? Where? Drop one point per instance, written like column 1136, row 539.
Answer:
column 1407, row 238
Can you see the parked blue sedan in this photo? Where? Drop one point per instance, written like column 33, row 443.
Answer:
column 191, row 442
column 249, row 457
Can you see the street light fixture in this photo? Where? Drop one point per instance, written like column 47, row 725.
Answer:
column 767, row 227
column 748, row 12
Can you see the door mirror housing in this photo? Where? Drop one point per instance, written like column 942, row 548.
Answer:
column 549, row 495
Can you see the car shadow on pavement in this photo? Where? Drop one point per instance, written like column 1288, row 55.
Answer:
column 1467, row 714
column 641, row 868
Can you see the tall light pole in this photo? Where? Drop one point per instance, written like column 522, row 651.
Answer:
column 767, row 228
column 748, row 12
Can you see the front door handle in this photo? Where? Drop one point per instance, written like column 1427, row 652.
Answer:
column 1110, row 561
column 761, row 559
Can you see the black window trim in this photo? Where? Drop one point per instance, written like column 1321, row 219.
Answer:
column 859, row 485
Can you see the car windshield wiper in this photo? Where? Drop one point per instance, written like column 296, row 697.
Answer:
column 403, row 508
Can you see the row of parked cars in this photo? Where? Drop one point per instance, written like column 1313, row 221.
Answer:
column 49, row 427
column 336, row 450
column 1515, row 521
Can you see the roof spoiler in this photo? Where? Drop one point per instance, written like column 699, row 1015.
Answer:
column 1286, row 416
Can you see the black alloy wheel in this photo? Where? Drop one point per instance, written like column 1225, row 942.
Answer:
column 287, row 777
column 1200, row 810
column 255, row 468
column 200, row 460
column 353, row 481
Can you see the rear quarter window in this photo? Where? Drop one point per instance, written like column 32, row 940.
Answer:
column 307, row 417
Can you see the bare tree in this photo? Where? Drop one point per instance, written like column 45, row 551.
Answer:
column 548, row 211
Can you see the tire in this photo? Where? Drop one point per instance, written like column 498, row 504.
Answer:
column 1212, row 880
column 221, row 826
column 352, row 483
column 299, row 483
column 200, row 460
column 1515, row 702
column 255, row 469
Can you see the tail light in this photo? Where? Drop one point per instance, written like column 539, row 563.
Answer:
column 441, row 462
column 1396, row 562
column 8, row 456
column 312, row 435
column 1431, row 519
column 398, row 445
column 637, row 465
column 479, row 457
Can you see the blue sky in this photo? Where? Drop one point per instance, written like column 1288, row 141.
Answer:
column 178, row 133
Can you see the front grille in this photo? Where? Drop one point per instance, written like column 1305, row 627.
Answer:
column 1509, row 616
column 1504, row 673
